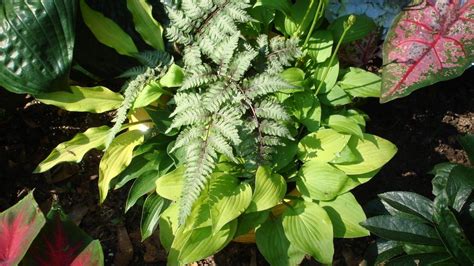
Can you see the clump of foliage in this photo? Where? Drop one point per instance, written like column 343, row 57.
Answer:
column 30, row 238
column 243, row 127
column 417, row 230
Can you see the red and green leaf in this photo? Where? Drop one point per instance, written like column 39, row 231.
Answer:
column 429, row 42
column 59, row 242
column 92, row 255
column 19, row 225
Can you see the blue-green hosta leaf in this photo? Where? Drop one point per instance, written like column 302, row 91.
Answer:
column 107, row 31
column 74, row 149
column 275, row 246
column 345, row 214
column 141, row 186
column 169, row 225
column 170, row 185
column 322, row 145
column 401, row 229
column 150, row 30
column 116, row 158
column 270, row 189
column 81, row 99
column 152, row 209
column 191, row 246
column 37, row 43
column 228, row 199
column 360, row 83
column 409, row 202
column 309, row 228
column 320, row 181
column 374, row 151
column 344, row 124
column 319, row 47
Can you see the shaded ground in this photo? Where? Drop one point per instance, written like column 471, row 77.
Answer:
column 424, row 126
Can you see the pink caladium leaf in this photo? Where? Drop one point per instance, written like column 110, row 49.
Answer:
column 19, row 225
column 428, row 42
column 59, row 242
column 92, row 255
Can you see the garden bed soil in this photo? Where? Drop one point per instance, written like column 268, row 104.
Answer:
column 424, row 126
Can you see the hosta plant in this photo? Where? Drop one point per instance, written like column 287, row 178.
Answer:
column 420, row 231
column 430, row 41
column 244, row 128
column 29, row 237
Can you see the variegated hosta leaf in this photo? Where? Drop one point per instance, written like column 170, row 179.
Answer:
column 428, row 43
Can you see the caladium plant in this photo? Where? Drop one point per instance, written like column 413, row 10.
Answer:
column 27, row 236
column 429, row 42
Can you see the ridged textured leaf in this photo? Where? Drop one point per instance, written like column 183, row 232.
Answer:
column 19, row 225
column 36, row 44
column 430, row 42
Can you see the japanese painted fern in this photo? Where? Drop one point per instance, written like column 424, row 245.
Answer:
column 226, row 105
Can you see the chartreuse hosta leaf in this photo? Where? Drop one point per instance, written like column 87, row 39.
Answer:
column 81, row 99
column 360, row 83
column 116, row 158
column 309, row 228
column 345, row 214
column 344, row 124
column 150, row 30
column 320, row 46
column 323, row 145
column 270, row 189
column 331, row 76
column 37, row 43
column 19, row 225
column 170, row 185
column 74, row 149
column 427, row 44
column 374, row 153
column 275, row 246
column 153, row 207
column 107, row 31
column 228, row 199
column 320, row 181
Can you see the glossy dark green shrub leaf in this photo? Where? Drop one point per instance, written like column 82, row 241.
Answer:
column 400, row 229
column 451, row 233
column 37, row 42
column 467, row 143
column 386, row 250
column 409, row 202
column 422, row 259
